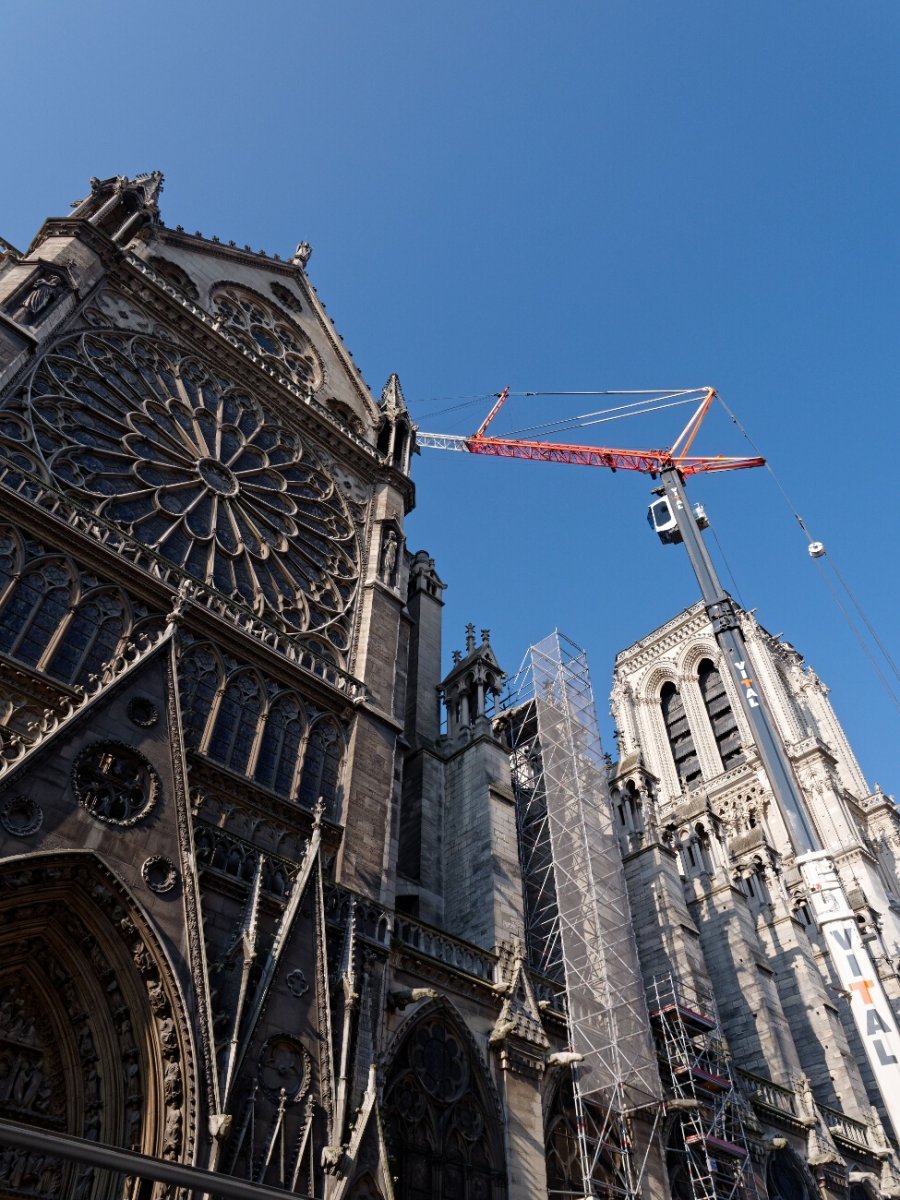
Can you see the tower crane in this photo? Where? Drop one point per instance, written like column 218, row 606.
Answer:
column 673, row 519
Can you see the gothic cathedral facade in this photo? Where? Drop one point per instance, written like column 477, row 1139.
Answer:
column 262, row 912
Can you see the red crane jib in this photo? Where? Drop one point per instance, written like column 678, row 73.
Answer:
column 650, row 462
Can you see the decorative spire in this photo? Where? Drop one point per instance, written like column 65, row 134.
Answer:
column 392, row 399
column 470, row 639
column 121, row 207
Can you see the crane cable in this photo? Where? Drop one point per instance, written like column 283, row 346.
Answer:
column 603, row 415
column 833, row 592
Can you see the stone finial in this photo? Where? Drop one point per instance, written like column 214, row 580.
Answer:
column 470, row 639
column 302, row 255
column 485, row 637
column 392, row 399
column 457, row 657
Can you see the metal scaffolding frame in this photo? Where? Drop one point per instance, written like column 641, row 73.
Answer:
column 710, row 1145
column 578, row 921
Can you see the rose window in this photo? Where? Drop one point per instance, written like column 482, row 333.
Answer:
column 194, row 468
column 265, row 331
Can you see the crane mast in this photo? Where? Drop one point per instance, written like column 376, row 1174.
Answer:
column 729, row 636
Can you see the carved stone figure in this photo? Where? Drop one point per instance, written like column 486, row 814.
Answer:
column 302, row 255
column 43, row 291
column 172, row 1083
column 172, row 1135
column 389, row 558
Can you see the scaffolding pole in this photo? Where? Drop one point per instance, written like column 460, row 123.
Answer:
column 711, row 1147
column 579, row 926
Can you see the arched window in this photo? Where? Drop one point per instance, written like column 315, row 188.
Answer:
column 365, row 1189
column 564, row 1174
column 679, row 734
column 199, row 675
column 445, row 1140
column 34, row 610
column 321, row 765
column 91, row 637
column 720, row 713
column 10, row 557
column 237, row 720
column 786, row 1179
column 401, row 437
column 279, row 751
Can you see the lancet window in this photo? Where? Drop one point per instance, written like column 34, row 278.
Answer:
column 279, row 752
column 320, row 765
column 35, row 608
column 564, row 1172
column 236, row 718
column 57, row 619
column 443, row 1135
column 91, row 637
column 678, row 732
column 720, row 713
column 199, row 672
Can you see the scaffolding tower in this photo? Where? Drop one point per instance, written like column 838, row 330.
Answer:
column 578, row 922
column 709, row 1149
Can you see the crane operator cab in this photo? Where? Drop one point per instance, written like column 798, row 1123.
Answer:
column 662, row 521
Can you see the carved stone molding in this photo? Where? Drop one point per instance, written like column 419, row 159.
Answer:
column 21, row 816
column 115, row 783
column 159, row 874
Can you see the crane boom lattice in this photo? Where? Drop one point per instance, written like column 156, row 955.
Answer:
column 579, row 922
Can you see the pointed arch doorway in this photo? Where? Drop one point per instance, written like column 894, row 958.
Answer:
column 93, row 1036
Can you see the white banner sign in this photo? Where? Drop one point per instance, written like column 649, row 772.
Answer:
column 856, row 971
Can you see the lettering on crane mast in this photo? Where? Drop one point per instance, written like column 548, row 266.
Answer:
column 747, row 682
column 866, row 993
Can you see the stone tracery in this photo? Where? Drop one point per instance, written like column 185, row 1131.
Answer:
column 439, row 1119
column 268, row 334
column 253, row 727
column 194, row 468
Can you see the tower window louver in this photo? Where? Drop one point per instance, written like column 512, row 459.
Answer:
column 721, row 715
column 678, row 732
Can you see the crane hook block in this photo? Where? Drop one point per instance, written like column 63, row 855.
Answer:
column 816, row 549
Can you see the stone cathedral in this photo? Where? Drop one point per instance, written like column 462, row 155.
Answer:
column 264, row 912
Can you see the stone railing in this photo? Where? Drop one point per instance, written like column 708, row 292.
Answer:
column 379, row 925
column 75, row 516
column 847, row 1128
column 547, row 990
column 434, row 944
column 760, row 1090
column 235, row 856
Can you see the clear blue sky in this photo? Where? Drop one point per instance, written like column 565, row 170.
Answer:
column 571, row 195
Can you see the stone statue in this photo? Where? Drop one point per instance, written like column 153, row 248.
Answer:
column 41, row 295
column 389, row 558
column 302, row 255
